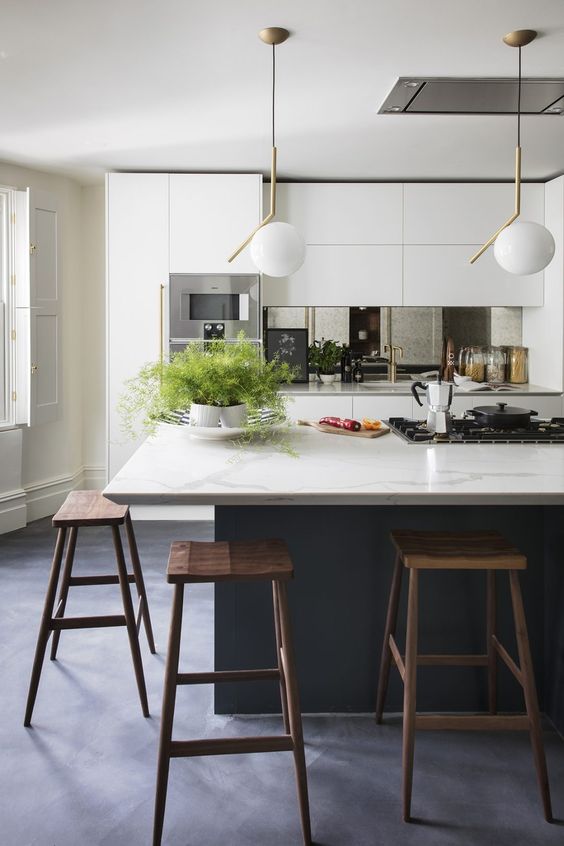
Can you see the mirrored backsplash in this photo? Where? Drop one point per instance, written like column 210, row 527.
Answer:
column 419, row 331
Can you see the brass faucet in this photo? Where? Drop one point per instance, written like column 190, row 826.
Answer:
column 392, row 364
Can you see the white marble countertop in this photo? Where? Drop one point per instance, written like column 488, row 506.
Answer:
column 403, row 387
column 171, row 468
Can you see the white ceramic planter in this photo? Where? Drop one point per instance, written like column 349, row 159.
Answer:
column 204, row 415
column 327, row 378
column 233, row 416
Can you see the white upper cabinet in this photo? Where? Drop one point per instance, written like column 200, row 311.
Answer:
column 336, row 275
column 210, row 215
column 343, row 213
column 137, row 254
column 464, row 213
column 443, row 276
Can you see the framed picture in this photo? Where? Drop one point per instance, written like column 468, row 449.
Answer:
column 289, row 345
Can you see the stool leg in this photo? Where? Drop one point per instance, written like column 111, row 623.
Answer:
column 283, row 691
column 64, row 591
column 390, row 628
column 409, row 693
column 490, row 634
column 530, row 691
column 294, row 713
column 45, row 626
column 167, row 715
column 139, row 582
column 130, row 620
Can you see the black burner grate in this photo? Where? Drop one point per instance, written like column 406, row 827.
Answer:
column 466, row 431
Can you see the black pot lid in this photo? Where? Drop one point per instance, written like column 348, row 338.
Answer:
column 503, row 408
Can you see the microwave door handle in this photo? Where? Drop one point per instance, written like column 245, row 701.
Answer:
column 243, row 307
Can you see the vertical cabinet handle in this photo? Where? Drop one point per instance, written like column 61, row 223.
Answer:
column 161, row 323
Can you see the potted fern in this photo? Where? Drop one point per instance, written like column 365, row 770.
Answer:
column 217, row 382
column 324, row 356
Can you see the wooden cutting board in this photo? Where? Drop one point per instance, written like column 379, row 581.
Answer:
column 333, row 430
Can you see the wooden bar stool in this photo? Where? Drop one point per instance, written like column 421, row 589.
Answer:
column 238, row 561
column 488, row 551
column 82, row 509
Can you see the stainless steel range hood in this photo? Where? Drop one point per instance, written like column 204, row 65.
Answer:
column 473, row 96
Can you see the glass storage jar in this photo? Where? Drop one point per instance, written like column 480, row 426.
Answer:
column 475, row 364
column 462, row 357
column 495, row 365
column 518, row 365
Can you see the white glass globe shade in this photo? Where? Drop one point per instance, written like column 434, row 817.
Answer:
column 524, row 247
column 278, row 249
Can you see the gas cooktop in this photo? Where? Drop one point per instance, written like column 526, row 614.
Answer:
column 468, row 431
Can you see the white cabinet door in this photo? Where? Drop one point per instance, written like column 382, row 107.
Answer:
column 137, row 245
column 210, row 215
column 443, row 276
column 382, row 407
column 464, row 213
column 323, row 405
column 343, row 213
column 363, row 275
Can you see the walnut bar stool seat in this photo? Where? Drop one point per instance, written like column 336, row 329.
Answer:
column 488, row 551
column 236, row 561
column 83, row 509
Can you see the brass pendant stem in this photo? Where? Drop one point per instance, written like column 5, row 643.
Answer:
column 516, row 212
column 270, row 214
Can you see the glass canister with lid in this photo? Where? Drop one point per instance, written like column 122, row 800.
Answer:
column 475, row 364
column 517, row 365
column 495, row 365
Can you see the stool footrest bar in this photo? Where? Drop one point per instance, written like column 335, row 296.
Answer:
column 231, row 746
column 227, row 676
column 507, row 660
column 98, row 580
column 472, row 722
column 397, row 657
column 88, row 622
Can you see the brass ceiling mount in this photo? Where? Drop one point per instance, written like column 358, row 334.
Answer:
column 274, row 35
column 520, row 38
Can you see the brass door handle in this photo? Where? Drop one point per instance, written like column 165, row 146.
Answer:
column 34, row 368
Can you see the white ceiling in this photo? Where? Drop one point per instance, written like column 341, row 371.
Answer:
column 169, row 85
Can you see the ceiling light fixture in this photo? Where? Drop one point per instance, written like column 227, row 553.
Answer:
column 521, row 246
column 277, row 248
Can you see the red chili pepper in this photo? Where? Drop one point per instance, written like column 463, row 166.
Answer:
column 341, row 423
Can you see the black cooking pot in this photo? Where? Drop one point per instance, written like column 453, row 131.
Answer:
column 502, row 416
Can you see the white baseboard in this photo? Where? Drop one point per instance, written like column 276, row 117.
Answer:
column 13, row 511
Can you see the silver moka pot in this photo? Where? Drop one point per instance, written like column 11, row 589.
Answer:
column 439, row 398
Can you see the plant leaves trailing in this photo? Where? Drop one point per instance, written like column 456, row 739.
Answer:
column 323, row 356
column 216, row 373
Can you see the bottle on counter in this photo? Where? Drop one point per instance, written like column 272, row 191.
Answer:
column 358, row 372
column 347, row 365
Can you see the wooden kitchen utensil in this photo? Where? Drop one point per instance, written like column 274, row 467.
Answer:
column 333, row 430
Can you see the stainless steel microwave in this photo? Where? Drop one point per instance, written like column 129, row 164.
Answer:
column 222, row 305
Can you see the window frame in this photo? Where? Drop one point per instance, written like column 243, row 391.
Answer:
column 8, row 288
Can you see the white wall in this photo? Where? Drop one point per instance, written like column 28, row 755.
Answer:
column 54, row 454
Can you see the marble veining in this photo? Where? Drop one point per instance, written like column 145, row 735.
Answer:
column 172, row 468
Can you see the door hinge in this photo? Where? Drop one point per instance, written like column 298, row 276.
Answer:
column 13, row 334
column 32, row 248
column 14, row 396
column 13, row 278
column 13, row 218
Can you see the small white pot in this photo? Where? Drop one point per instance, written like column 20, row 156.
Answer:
column 327, row 378
column 233, row 416
column 204, row 415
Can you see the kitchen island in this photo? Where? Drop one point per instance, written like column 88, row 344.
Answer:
column 335, row 504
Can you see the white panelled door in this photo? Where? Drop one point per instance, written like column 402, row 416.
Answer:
column 38, row 322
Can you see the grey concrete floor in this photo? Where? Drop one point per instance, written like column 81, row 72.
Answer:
column 84, row 774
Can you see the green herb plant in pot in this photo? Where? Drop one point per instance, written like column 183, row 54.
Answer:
column 227, row 382
column 324, row 356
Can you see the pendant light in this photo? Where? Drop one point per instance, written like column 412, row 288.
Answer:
column 277, row 248
column 521, row 246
